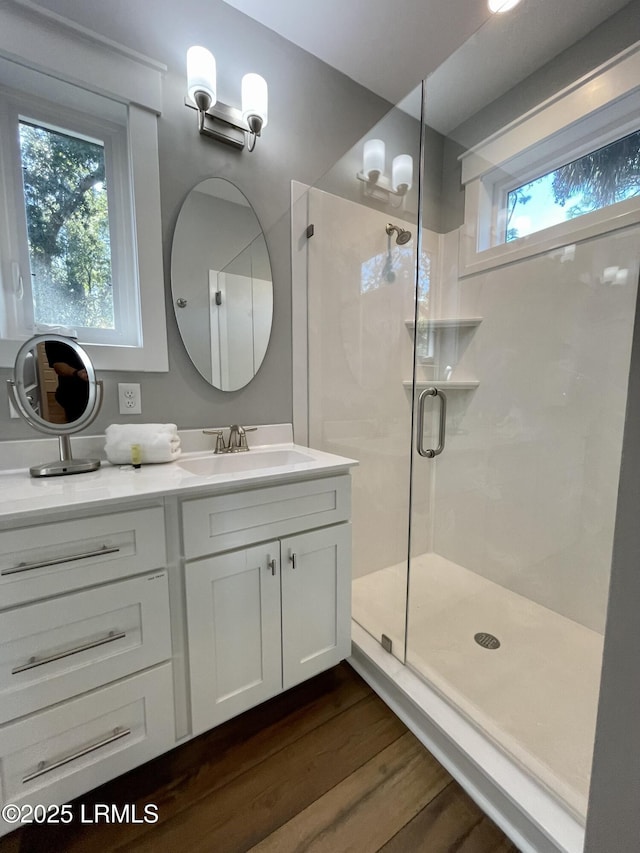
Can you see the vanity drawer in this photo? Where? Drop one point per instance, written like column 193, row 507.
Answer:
column 55, row 755
column 49, row 559
column 65, row 646
column 224, row 522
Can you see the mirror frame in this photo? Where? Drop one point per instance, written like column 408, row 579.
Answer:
column 19, row 397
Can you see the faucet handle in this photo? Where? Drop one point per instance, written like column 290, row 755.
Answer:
column 243, row 437
column 220, row 445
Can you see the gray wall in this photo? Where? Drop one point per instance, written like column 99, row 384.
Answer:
column 315, row 115
column 401, row 134
column 614, row 35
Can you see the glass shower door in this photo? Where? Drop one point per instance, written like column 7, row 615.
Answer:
column 360, row 354
column 360, row 276
column 520, row 392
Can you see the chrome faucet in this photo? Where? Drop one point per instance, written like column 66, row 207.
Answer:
column 237, row 439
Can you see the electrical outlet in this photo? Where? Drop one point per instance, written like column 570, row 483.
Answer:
column 129, row 398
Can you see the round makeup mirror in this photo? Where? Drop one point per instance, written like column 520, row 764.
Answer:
column 221, row 284
column 54, row 388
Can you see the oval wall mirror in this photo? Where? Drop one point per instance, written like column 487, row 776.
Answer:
column 221, row 284
column 54, row 388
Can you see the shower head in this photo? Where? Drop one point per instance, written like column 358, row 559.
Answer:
column 402, row 237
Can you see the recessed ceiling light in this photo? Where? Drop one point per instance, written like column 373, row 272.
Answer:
column 499, row 6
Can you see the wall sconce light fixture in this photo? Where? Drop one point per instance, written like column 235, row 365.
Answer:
column 376, row 184
column 216, row 119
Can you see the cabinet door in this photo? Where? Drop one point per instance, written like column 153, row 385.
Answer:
column 233, row 618
column 316, row 602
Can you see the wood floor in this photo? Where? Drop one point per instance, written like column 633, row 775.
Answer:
column 326, row 767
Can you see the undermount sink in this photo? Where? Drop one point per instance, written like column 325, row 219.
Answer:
column 252, row 460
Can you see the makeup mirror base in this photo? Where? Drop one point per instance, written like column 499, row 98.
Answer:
column 66, row 464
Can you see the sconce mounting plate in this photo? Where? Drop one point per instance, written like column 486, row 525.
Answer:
column 223, row 122
column 382, row 190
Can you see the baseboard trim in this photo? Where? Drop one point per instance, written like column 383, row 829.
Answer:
column 526, row 812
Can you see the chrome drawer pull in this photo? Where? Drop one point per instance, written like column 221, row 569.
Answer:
column 27, row 567
column 43, row 767
column 92, row 644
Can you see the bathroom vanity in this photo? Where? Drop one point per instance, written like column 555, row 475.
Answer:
column 139, row 608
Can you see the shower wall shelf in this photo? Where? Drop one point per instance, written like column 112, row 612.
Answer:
column 444, row 384
column 440, row 345
column 444, row 323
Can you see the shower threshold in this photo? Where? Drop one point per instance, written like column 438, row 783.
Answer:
column 524, row 678
column 526, row 811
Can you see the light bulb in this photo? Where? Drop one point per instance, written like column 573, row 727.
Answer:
column 373, row 159
column 402, row 173
column 201, row 77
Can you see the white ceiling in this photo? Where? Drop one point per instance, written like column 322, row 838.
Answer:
column 389, row 47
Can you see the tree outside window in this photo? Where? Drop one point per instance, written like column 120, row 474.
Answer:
column 599, row 179
column 67, row 212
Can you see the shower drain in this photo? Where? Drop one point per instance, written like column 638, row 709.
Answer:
column 487, row 641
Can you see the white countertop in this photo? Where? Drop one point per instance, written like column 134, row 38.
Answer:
column 23, row 496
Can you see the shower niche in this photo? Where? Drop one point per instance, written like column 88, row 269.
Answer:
column 440, row 344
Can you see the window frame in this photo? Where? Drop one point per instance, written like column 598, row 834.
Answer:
column 113, row 138
column 595, row 111
column 96, row 67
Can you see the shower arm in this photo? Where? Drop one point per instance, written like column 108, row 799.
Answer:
column 403, row 236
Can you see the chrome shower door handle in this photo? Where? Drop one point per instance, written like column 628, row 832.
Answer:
column 431, row 452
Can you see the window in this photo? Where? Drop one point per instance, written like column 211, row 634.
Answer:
column 592, row 182
column 67, row 211
column 73, row 230
column 80, row 230
column 568, row 170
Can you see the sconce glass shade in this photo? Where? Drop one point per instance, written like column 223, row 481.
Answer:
column 402, row 173
column 373, row 159
column 255, row 99
column 201, row 77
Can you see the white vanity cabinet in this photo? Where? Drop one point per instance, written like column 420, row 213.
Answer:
column 263, row 617
column 86, row 689
column 139, row 609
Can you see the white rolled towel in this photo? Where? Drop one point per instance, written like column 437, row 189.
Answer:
column 157, row 442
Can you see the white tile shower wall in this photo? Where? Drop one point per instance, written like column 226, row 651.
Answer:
column 360, row 351
column 525, row 493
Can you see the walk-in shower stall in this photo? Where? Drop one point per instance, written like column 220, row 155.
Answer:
column 468, row 320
